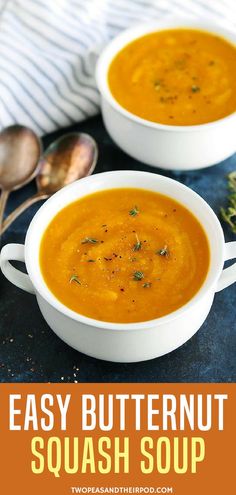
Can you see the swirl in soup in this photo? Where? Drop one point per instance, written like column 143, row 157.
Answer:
column 176, row 77
column 124, row 255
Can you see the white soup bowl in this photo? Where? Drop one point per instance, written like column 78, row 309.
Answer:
column 166, row 146
column 132, row 341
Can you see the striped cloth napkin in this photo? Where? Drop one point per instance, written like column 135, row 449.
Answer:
column 49, row 48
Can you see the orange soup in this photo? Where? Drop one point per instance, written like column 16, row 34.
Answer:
column 176, row 77
column 124, row 255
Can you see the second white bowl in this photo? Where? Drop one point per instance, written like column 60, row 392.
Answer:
column 165, row 146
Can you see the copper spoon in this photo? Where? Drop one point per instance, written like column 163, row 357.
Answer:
column 69, row 158
column 20, row 150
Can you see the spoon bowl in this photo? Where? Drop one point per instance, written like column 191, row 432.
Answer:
column 20, row 149
column 69, row 158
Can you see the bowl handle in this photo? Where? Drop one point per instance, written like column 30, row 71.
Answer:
column 228, row 275
column 15, row 252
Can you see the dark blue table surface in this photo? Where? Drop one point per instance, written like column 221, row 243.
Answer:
column 31, row 352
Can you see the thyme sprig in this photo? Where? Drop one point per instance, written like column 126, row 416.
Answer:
column 89, row 240
column 195, row 88
column 157, row 85
column 229, row 214
column 75, row 278
column 138, row 275
column 137, row 245
column 163, row 251
column 134, row 211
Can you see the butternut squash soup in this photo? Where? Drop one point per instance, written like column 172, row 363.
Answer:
column 124, row 255
column 176, row 77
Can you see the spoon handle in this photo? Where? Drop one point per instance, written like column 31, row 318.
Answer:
column 3, row 202
column 15, row 214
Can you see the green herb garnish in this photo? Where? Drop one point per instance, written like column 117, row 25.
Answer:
column 157, row 84
column 147, row 285
column 75, row 278
column 89, row 240
column 138, row 276
column 232, row 181
column 229, row 214
column 91, row 261
column 163, row 251
column 134, row 211
column 137, row 245
column 195, row 89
